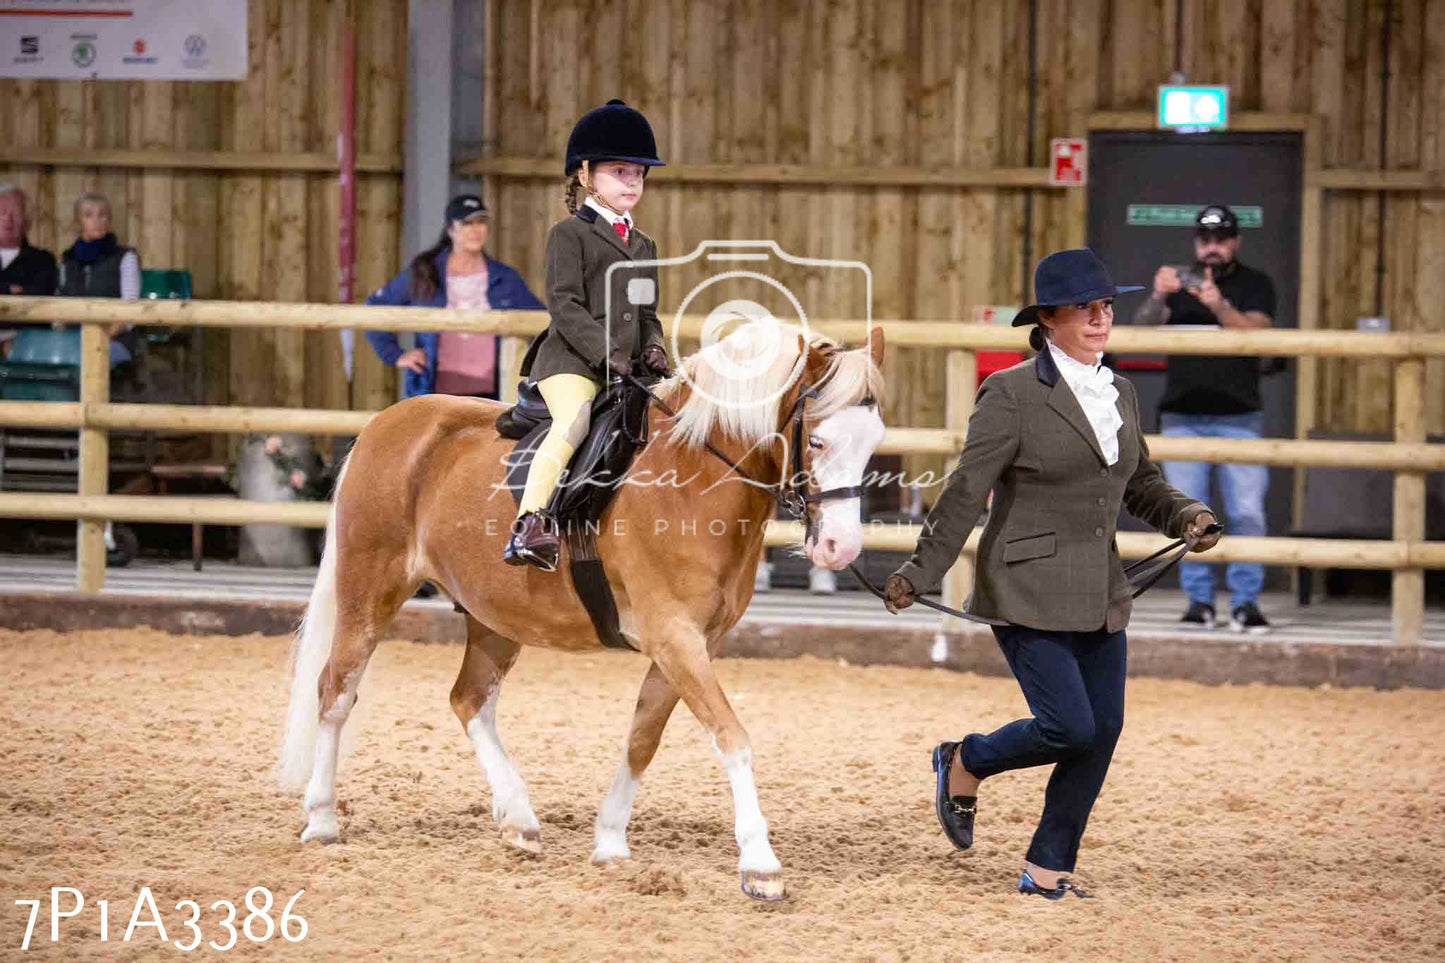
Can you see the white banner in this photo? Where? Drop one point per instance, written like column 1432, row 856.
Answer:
column 123, row 39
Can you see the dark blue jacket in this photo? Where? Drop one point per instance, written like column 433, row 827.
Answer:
column 505, row 291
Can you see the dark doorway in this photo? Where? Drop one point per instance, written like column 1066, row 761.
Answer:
column 1142, row 184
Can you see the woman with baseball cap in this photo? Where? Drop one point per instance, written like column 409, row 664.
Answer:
column 1057, row 441
column 455, row 272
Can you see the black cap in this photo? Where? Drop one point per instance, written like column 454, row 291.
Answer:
column 614, row 132
column 463, row 206
column 1216, row 220
column 1070, row 277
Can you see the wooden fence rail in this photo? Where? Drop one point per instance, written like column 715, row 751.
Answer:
column 1409, row 456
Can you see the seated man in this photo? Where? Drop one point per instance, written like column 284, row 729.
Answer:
column 23, row 269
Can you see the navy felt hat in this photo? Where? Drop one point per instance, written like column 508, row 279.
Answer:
column 1070, row 277
column 613, row 132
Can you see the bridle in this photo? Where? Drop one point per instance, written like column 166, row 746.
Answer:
column 797, row 500
column 796, row 497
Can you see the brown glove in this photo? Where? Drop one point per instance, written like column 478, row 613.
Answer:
column 898, row 593
column 656, row 360
column 619, row 362
column 1195, row 530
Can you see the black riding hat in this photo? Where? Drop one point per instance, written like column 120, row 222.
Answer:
column 614, row 132
column 1070, row 277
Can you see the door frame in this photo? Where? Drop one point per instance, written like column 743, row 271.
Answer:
column 1311, row 206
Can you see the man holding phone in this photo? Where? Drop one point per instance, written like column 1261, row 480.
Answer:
column 1216, row 397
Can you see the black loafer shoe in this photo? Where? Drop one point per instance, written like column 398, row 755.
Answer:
column 955, row 813
column 1028, row 887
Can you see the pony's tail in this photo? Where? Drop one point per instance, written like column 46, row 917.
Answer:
column 310, row 649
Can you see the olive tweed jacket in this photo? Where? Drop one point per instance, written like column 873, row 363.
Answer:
column 1047, row 557
column 580, row 249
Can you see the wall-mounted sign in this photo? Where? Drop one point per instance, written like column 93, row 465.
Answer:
column 994, row 313
column 1068, row 161
column 123, row 39
column 1194, row 108
column 1183, row 215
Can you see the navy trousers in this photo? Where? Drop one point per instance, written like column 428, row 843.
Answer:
column 1074, row 685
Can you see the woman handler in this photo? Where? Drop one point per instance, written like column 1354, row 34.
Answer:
column 1057, row 440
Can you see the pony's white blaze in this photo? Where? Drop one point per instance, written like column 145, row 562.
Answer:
column 610, row 834
column 849, row 438
column 511, row 809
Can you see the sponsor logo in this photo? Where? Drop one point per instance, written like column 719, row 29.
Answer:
column 140, row 56
column 29, row 51
column 195, row 52
column 83, row 53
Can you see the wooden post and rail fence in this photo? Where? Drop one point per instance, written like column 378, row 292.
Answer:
column 1407, row 555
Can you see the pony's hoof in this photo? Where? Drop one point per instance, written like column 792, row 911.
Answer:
column 763, row 886
column 527, row 840
column 323, row 834
column 610, row 855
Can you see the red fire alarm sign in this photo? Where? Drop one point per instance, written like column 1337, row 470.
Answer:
column 1068, row 161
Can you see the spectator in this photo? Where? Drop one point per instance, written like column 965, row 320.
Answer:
column 23, row 269
column 453, row 273
column 1216, row 397
column 97, row 266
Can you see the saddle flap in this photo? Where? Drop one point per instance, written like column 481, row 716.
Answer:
column 617, row 429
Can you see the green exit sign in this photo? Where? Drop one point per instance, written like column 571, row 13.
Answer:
column 1194, row 108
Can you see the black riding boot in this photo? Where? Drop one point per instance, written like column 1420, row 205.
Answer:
column 534, row 542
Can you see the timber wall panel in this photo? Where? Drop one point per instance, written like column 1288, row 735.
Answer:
column 242, row 235
column 825, row 83
column 848, row 83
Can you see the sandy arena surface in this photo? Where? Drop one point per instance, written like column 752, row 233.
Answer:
column 1237, row 823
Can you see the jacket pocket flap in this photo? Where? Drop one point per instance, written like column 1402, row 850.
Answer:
column 1030, row 546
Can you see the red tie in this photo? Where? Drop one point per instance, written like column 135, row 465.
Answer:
column 621, row 228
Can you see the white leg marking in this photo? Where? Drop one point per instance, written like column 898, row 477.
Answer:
column 755, row 853
column 511, row 808
column 610, row 833
column 320, row 804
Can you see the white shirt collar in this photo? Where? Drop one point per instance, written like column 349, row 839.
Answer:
column 610, row 216
column 1093, row 388
column 1076, row 372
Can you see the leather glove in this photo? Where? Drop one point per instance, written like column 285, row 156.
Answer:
column 656, row 360
column 619, row 362
column 898, row 593
column 1196, row 529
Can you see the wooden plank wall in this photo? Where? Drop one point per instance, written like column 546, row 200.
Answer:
column 244, row 236
column 945, row 84
column 842, row 83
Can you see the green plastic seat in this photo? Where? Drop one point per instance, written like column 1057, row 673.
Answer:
column 164, row 284
column 44, row 365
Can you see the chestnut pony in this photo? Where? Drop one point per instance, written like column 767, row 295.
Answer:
column 422, row 498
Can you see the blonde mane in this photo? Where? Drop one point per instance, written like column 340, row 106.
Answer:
column 745, row 405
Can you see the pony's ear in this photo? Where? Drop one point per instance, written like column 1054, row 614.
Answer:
column 875, row 345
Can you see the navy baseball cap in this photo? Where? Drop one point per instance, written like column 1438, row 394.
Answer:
column 464, row 206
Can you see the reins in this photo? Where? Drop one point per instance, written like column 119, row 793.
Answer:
column 795, row 499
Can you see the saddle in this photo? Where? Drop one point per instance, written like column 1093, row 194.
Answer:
column 618, row 429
